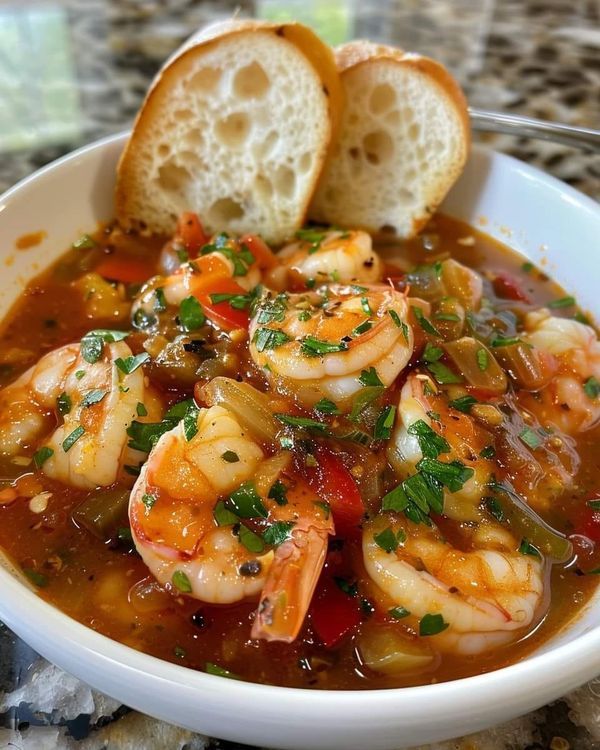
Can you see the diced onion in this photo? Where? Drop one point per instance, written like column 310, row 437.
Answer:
column 385, row 650
column 250, row 406
column 524, row 365
column 485, row 372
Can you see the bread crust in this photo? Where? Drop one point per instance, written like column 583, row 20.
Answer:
column 319, row 55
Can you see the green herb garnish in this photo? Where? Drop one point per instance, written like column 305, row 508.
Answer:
column 370, row 378
column 181, row 582
column 71, row 439
column 313, row 347
column 42, row 455
column 245, row 502
column 432, row 625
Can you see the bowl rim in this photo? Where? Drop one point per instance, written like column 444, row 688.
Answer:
column 23, row 610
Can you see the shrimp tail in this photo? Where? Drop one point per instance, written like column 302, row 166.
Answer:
column 290, row 585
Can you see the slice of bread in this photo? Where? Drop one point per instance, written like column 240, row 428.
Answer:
column 404, row 139
column 236, row 127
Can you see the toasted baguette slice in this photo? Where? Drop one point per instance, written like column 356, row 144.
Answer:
column 404, row 139
column 236, row 127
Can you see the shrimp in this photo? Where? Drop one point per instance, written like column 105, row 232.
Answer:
column 96, row 403
column 173, row 514
column 464, row 442
column 319, row 344
column 488, row 593
column 566, row 402
column 324, row 256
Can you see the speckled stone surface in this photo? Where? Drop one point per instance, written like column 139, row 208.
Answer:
column 72, row 71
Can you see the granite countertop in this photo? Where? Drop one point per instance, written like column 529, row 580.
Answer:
column 72, row 71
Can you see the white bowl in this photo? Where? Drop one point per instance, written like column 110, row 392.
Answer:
column 552, row 225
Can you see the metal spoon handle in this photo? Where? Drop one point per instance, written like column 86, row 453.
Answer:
column 528, row 127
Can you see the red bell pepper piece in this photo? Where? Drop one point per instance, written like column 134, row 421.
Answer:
column 263, row 255
column 588, row 522
column 222, row 313
column 127, row 270
column 333, row 613
column 190, row 232
column 334, row 484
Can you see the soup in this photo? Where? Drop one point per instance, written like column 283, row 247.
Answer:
column 336, row 466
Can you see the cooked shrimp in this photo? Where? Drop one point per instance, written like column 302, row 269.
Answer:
column 566, row 402
column 464, row 438
column 487, row 594
column 325, row 256
column 172, row 514
column 296, row 567
column 317, row 345
column 96, row 404
column 210, row 274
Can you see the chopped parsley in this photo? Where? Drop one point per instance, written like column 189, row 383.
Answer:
column 191, row 314
column 141, row 410
column 92, row 397
column 327, row 407
column 592, row 387
column 63, row 404
column 488, row 452
column 215, row 669
column 42, row 455
column 530, row 438
column 388, row 540
column 363, row 327
column 432, row 625
column 562, row 302
column 504, row 340
column 482, row 359
column 269, row 338
column 245, row 502
column 278, row 533
column 190, row 421
column 38, row 579
column 251, row 541
column 160, row 302
column 148, row 500
column 494, row 508
column 526, row 548
column 181, row 582
column 425, row 324
column 452, row 475
column 463, row 403
column 223, row 516
column 72, row 438
column 303, row 422
column 442, row 374
column 397, row 613
column 278, row 492
column 430, row 443
column 362, row 399
column 370, row 378
column 366, row 307
column 130, row 364
column 230, row 457
column 313, row 347
column 384, row 423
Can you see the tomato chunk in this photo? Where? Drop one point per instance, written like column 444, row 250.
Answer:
column 507, row 287
column 332, row 481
